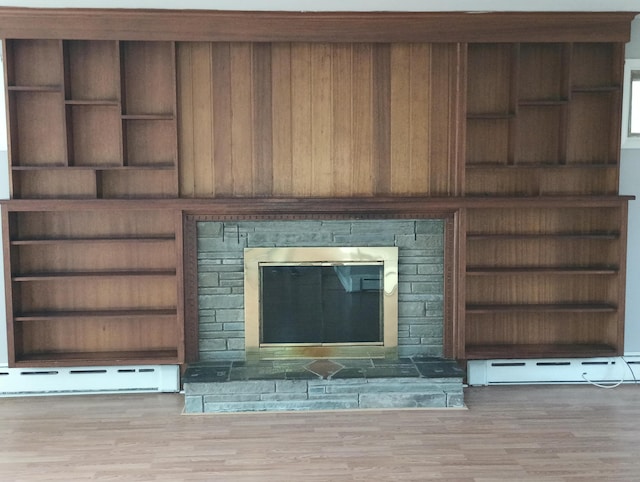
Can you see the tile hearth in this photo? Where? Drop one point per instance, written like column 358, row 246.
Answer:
column 281, row 385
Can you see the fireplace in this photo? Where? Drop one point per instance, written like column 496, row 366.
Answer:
column 222, row 322
column 321, row 302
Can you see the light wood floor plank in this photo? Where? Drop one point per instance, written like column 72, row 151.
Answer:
column 530, row 433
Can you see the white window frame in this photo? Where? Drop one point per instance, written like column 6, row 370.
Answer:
column 628, row 142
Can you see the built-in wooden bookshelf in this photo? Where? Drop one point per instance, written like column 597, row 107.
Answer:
column 93, row 286
column 119, row 119
column 97, row 120
column 551, row 278
column 544, row 282
column 535, row 119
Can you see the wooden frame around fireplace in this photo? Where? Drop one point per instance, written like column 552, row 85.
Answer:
column 452, row 261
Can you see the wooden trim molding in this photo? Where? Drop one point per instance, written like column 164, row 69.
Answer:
column 190, row 288
column 357, row 208
column 194, row 25
column 451, row 263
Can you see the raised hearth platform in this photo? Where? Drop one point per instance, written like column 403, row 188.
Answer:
column 283, row 385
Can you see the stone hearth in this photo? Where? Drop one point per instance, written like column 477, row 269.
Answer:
column 288, row 385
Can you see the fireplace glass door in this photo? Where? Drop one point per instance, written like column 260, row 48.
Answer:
column 321, row 303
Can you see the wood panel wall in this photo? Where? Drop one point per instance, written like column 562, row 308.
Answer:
column 317, row 119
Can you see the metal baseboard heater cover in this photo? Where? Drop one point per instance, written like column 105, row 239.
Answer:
column 88, row 380
column 605, row 370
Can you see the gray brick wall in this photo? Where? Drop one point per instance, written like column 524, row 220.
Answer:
column 220, row 275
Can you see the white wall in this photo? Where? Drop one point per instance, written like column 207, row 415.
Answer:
column 630, row 161
column 630, row 184
column 4, row 194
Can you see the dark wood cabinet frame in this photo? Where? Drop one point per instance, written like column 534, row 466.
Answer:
column 61, row 27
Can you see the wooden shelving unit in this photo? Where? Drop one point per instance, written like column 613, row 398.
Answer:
column 522, row 110
column 535, row 119
column 93, row 286
column 97, row 120
column 551, row 278
column 544, row 282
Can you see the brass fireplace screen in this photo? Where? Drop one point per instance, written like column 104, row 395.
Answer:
column 321, row 302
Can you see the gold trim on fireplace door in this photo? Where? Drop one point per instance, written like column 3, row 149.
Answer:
column 254, row 257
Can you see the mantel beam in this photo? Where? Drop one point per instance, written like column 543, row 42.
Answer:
column 201, row 25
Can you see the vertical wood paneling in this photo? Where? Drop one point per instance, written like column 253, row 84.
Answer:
column 343, row 127
column 410, row 119
column 400, row 118
column 321, row 111
column 420, row 119
column 242, row 126
column 362, row 140
column 381, row 97
column 442, row 107
column 309, row 119
column 221, row 82
column 301, row 118
column 281, row 119
column 262, row 120
column 185, row 119
column 203, row 120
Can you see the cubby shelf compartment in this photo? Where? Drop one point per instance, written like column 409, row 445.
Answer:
column 103, row 111
column 534, row 119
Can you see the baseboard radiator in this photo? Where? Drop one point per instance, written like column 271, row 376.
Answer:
column 87, row 380
column 605, row 371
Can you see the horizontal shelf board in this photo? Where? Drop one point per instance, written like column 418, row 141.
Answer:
column 543, row 236
column 34, row 88
column 474, row 270
column 370, row 207
column 538, row 166
column 96, row 358
column 490, row 116
column 166, row 166
column 596, row 90
column 538, row 351
column 135, row 117
column 131, row 167
column 539, row 308
column 542, row 102
column 93, row 102
column 41, row 167
column 109, row 240
column 94, row 315
column 93, row 275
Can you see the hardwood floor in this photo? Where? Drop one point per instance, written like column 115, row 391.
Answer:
column 550, row 433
